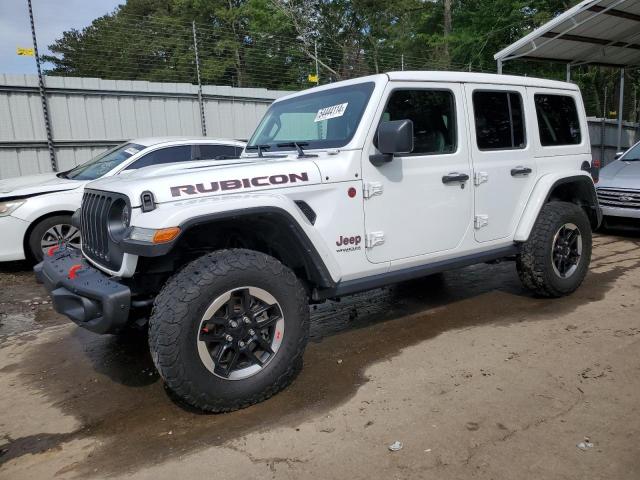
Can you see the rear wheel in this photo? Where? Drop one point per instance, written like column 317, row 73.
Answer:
column 51, row 232
column 555, row 259
column 229, row 330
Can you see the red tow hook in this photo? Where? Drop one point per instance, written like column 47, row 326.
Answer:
column 52, row 250
column 73, row 271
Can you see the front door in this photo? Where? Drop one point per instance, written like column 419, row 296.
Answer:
column 419, row 203
column 503, row 159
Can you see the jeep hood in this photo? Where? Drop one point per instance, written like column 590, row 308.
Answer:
column 36, row 184
column 621, row 174
column 194, row 179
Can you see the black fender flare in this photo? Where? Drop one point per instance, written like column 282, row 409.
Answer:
column 586, row 193
column 312, row 259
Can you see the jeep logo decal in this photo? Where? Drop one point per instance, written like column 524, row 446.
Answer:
column 349, row 240
column 235, row 184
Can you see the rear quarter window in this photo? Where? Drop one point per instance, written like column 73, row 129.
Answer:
column 558, row 120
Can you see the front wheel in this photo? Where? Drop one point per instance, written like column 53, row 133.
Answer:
column 555, row 259
column 229, row 330
column 51, row 232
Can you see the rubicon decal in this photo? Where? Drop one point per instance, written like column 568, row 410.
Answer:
column 239, row 183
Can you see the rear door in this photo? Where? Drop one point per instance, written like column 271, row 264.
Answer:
column 504, row 166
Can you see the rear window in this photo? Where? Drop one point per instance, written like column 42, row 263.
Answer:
column 558, row 120
column 499, row 120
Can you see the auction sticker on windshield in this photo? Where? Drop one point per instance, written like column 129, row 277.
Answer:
column 331, row 112
column 131, row 151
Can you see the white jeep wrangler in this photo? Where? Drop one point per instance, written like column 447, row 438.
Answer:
column 342, row 188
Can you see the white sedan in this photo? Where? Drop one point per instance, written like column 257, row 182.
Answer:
column 35, row 211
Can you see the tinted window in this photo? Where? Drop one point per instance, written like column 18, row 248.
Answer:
column 212, row 152
column 180, row 153
column 499, row 120
column 558, row 120
column 433, row 116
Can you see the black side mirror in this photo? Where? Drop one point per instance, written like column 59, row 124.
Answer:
column 393, row 137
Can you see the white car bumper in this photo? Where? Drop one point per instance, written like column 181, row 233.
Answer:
column 12, row 232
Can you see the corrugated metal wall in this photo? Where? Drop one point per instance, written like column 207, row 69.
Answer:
column 91, row 114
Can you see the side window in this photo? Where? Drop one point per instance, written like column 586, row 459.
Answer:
column 433, row 116
column 213, row 152
column 558, row 120
column 181, row 153
column 499, row 120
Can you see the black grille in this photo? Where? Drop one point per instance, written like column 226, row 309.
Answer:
column 610, row 197
column 94, row 222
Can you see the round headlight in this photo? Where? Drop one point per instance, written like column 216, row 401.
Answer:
column 118, row 219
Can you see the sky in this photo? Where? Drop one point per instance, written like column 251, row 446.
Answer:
column 52, row 17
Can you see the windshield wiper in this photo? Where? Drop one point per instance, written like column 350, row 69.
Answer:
column 260, row 148
column 298, row 146
column 63, row 174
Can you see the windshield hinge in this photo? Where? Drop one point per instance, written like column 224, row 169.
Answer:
column 371, row 189
column 374, row 239
column 480, row 177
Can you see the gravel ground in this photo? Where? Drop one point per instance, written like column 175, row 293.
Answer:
column 472, row 374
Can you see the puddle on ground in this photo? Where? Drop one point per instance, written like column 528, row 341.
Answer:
column 109, row 384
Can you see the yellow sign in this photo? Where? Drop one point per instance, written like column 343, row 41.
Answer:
column 313, row 78
column 25, row 52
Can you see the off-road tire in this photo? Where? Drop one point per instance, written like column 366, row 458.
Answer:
column 33, row 249
column 534, row 262
column 178, row 310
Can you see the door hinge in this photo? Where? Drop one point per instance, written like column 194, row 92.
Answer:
column 481, row 221
column 374, row 239
column 371, row 189
column 480, row 177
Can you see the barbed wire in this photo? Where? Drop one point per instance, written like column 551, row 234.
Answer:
column 141, row 48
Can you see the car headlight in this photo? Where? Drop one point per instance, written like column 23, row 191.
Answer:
column 8, row 207
column 152, row 235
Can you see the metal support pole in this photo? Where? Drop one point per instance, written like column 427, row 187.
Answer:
column 568, row 72
column 43, row 95
column 499, row 67
column 203, row 121
column 603, row 128
column 620, row 110
column 402, row 62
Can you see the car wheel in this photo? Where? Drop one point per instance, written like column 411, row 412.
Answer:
column 229, row 330
column 51, row 232
column 555, row 259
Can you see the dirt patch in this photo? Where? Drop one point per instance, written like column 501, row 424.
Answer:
column 110, row 386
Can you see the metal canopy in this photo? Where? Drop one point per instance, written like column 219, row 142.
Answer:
column 597, row 32
column 603, row 32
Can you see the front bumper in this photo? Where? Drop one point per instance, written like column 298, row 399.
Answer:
column 12, row 245
column 620, row 212
column 83, row 293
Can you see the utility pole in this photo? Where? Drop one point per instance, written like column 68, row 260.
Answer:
column 203, row 121
column 315, row 52
column 447, row 31
column 43, row 94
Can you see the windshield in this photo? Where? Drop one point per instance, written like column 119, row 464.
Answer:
column 103, row 163
column 326, row 119
column 633, row 154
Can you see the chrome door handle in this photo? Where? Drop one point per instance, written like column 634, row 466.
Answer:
column 520, row 171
